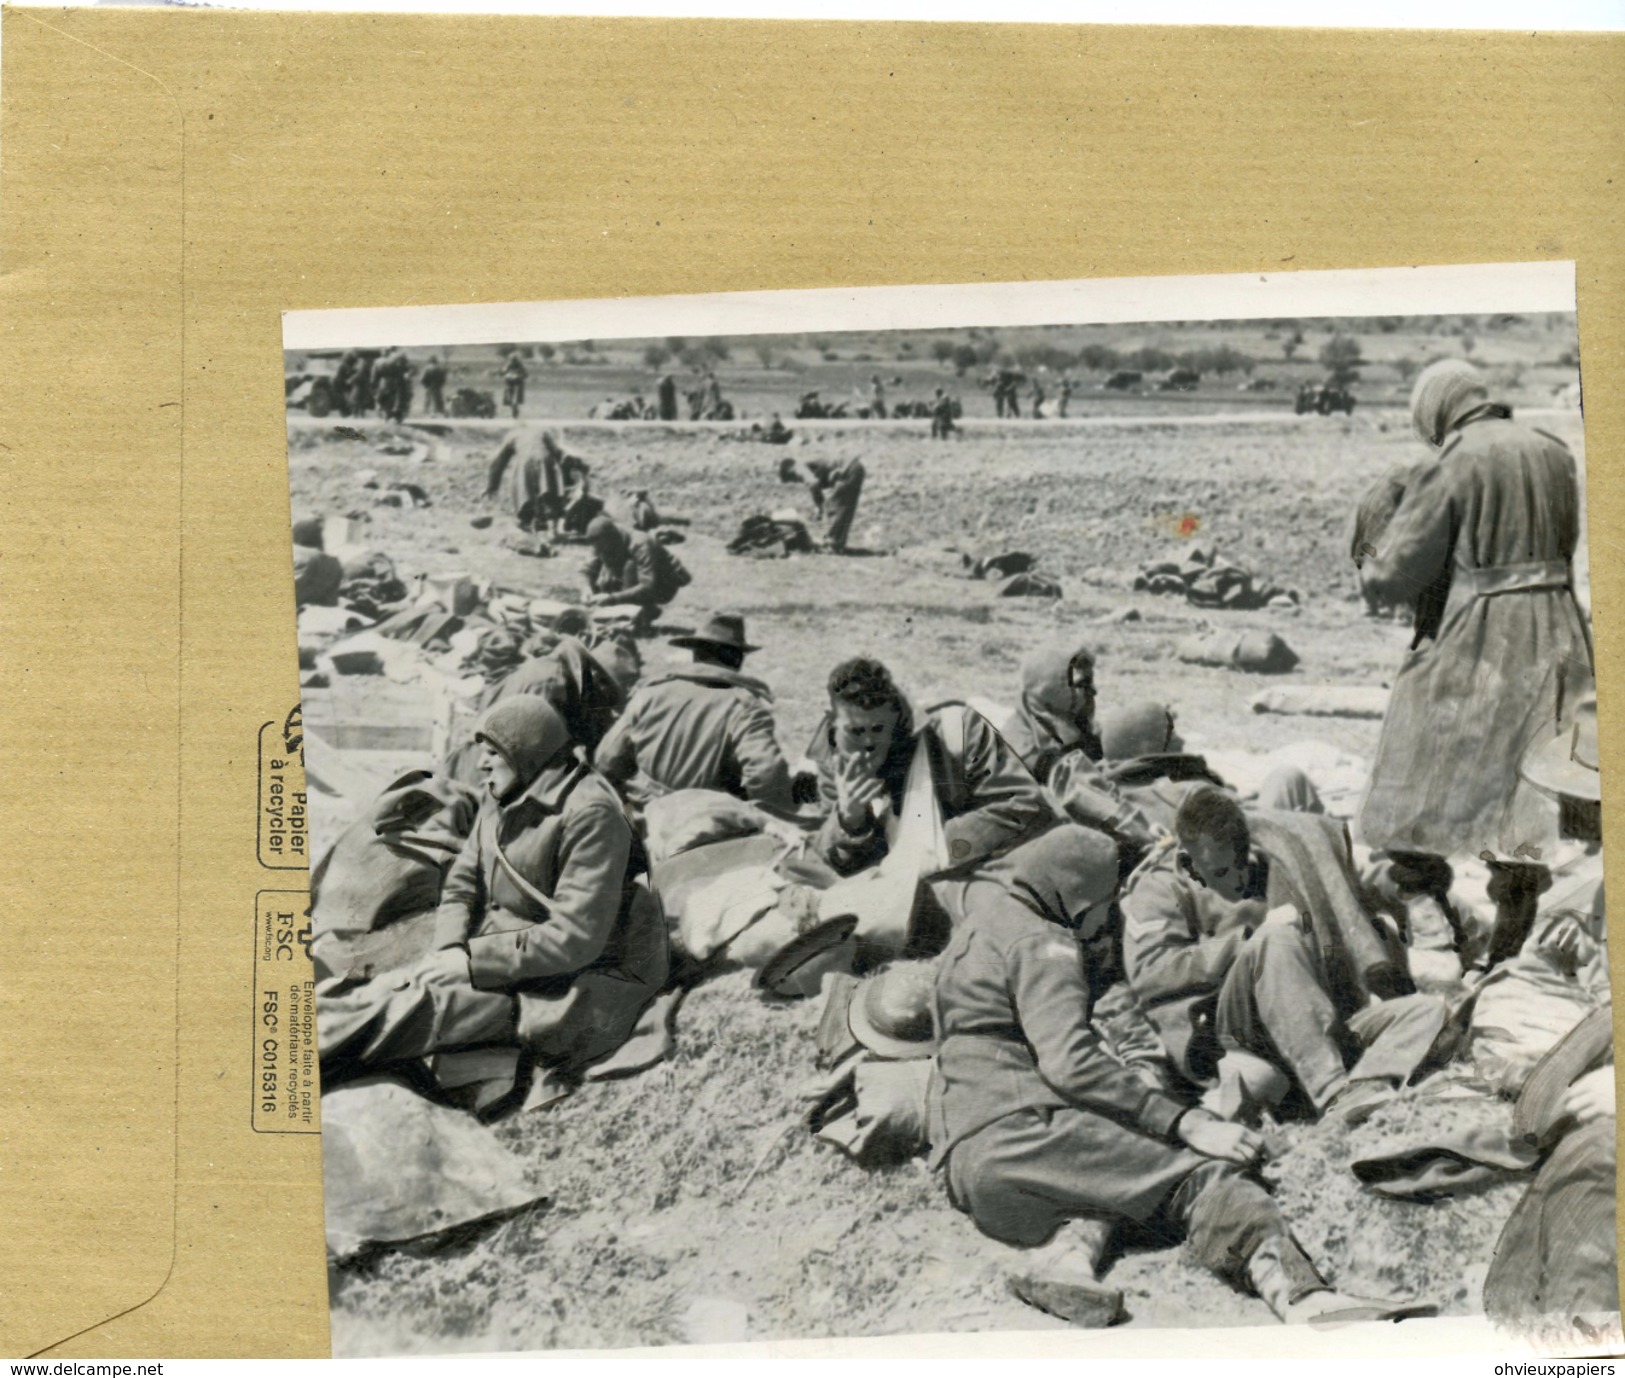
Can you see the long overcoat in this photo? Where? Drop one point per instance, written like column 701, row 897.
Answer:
column 1484, row 542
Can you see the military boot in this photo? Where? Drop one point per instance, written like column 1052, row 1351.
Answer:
column 1285, row 1281
column 1062, row 1279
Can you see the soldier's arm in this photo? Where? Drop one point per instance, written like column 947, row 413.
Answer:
column 763, row 771
column 846, row 852
column 1006, row 802
column 1080, row 790
column 1415, row 552
column 499, row 466
column 645, row 588
column 1163, row 948
column 462, row 894
column 585, row 904
column 617, row 756
column 1052, row 1002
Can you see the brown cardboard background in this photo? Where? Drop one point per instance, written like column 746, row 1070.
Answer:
column 337, row 160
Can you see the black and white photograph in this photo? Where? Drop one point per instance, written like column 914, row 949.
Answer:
column 990, row 808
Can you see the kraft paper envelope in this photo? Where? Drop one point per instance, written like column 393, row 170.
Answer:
column 173, row 180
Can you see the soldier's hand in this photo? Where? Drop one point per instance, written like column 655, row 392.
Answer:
column 1212, row 1137
column 1593, row 1096
column 447, row 964
column 1282, row 916
column 856, row 789
column 1566, row 943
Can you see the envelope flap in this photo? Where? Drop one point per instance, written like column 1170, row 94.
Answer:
column 90, row 477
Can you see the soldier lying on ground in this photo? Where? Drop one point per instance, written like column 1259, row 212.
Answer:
column 1556, row 1257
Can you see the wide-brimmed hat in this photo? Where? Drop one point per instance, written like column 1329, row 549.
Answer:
column 725, row 629
column 891, row 1013
column 1568, row 763
column 797, row 967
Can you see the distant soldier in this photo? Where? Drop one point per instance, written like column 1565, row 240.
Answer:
column 394, row 375
column 364, row 395
column 514, row 374
column 877, row 397
column 942, row 416
column 1038, row 399
column 1064, row 396
column 712, row 397
column 434, row 386
column 668, row 398
column 836, row 486
column 344, row 381
column 645, row 516
column 1007, row 392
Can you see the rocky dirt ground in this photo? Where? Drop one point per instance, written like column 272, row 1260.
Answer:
column 654, row 1235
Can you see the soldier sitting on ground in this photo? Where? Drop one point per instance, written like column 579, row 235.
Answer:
column 703, row 726
column 543, row 939
column 1049, row 1144
column 635, row 574
column 1252, row 950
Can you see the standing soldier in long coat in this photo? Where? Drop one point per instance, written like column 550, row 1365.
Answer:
column 668, row 397
column 1486, row 537
column 364, row 395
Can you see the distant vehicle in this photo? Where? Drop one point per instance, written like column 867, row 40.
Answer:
column 1258, row 385
column 1180, row 380
column 313, row 386
column 1324, row 399
column 1124, row 380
